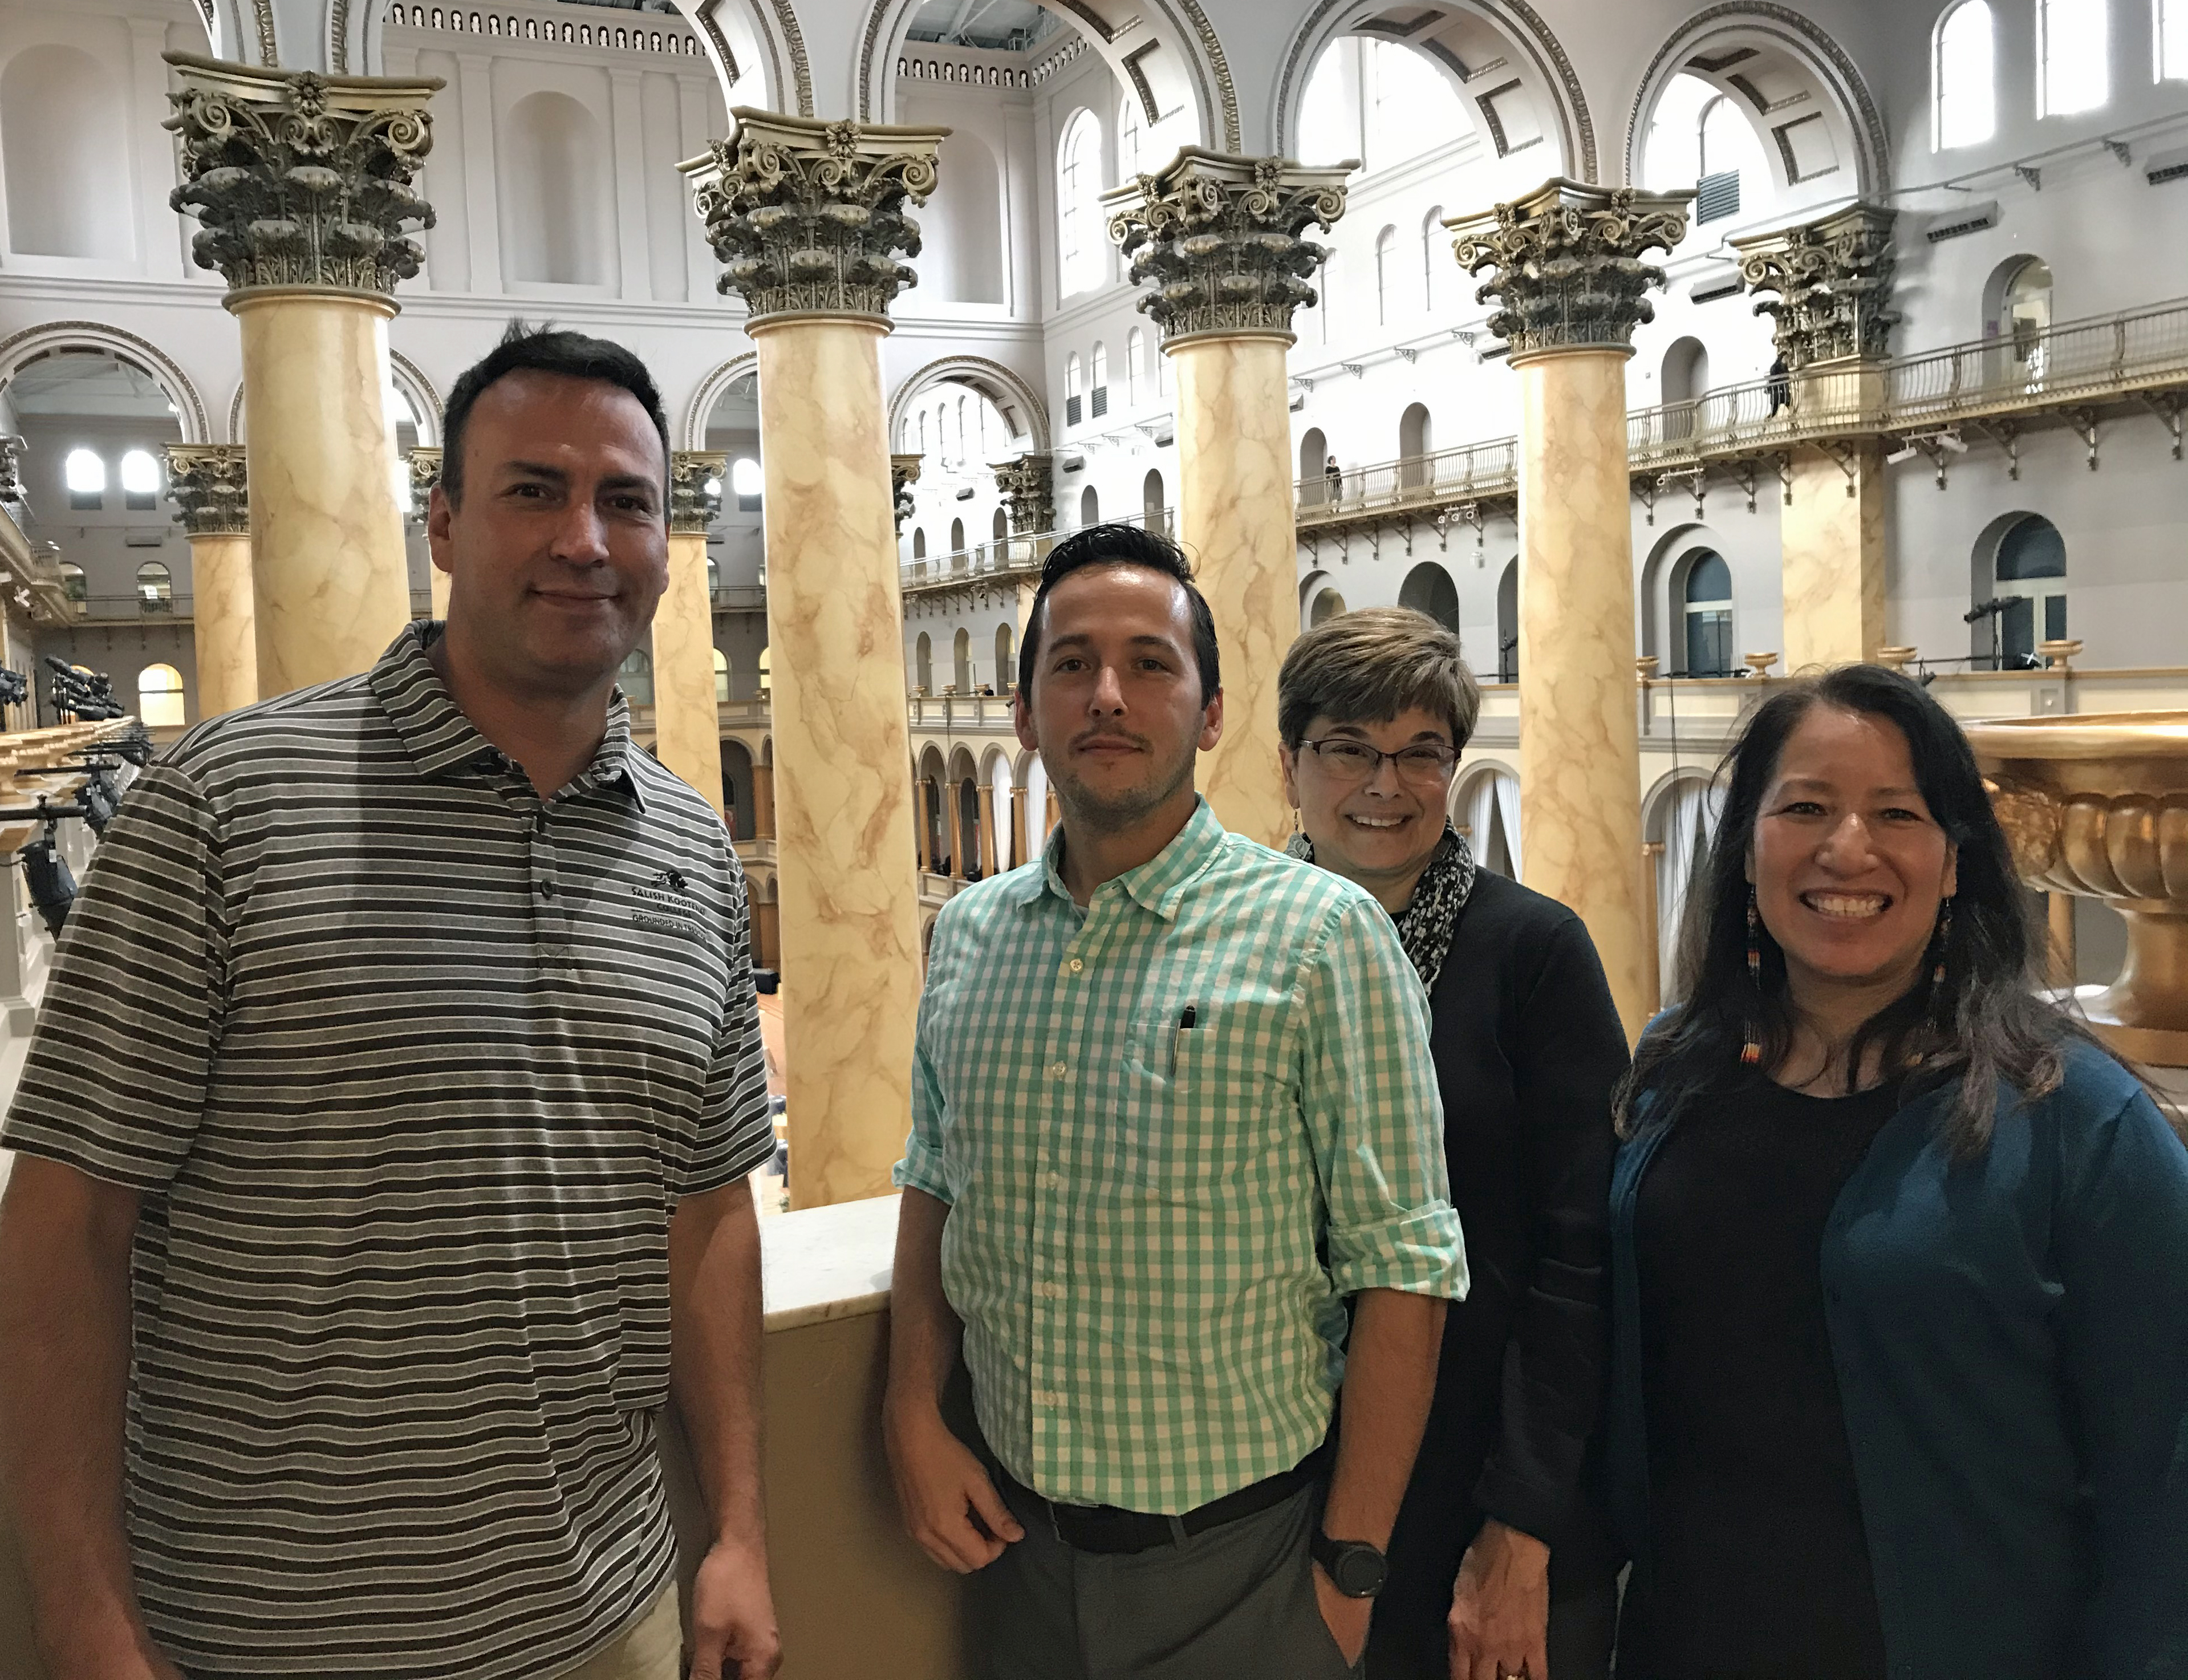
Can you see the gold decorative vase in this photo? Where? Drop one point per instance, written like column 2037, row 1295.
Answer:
column 2097, row 806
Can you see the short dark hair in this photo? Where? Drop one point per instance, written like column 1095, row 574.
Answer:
column 1121, row 545
column 543, row 349
column 1366, row 666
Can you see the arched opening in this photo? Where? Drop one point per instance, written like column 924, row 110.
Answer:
column 1090, row 507
column 1327, row 605
column 1082, row 241
column 932, row 783
column 1680, row 822
column 1435, row 253
column 746, row 483
column 2018, row 312
column 1313, row 455
column 1098, row 391
column 1686, row 374
column 555, row 226
column 1385, row 102
column 1135, row 350
column 1006, row 661
column 956, row 536
column 140, row 481
column 919, row 542
column 1074, row 400
column 1705, row 593
column 1700, row 137
column 962, row 255
column 155, row 589
column 85, row 471
column 999, row 805
column 1128, row 135
column 737, row 808
column 1416, row 442
column 1428, row 588
column 1964, row 77
column 766, row 680
column 961, row 662
column 1485, row 807
column 2028, row 573
column 63, row 128
column 922, row 663
column 160, row 697
column 2073, row 72
column 1386, row 275
column 1153, row 508
column 75, row 586
column 635, row 678
column 1508, row 623
column 721, row 678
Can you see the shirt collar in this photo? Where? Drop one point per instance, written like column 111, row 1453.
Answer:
column 441, row 740
column 1157, row 884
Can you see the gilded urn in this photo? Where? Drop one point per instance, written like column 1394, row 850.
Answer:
column 2097, row 805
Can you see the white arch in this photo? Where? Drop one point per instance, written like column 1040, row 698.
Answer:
column 1013, row 396
column 710, row 392
column 52, row 337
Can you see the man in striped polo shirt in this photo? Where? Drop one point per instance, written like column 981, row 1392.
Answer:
column 1172, row 1106
column 384, row 1137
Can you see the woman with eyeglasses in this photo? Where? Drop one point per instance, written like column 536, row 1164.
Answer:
column 1499, row 1565
column 1899, row 1253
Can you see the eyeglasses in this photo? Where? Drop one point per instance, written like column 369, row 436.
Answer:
column 1426, row 762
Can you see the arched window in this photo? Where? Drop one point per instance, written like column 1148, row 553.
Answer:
column 961, row 662
column 1386, row 255
column 1428, row 589
column 1415, row 441
column 1074, row 409
column 160, row 697
column 922, row 431
column 1435, row 252
column 2031, row 573
column 1965, row 77
column 1080, row 242
column 922, row 663
column 1734, row 175
column 956, row 536
column 714, row 580
column 2172, row 39
column 746, row 483
column 1707, row 594
column 140, row 481
column 635, row 678
column 964, row 453
column 721, row 678
column 2023, row 315
column 1326, row 606
column 2073, row 56
column 1136, row 350
column 85, row 474
column 1411, row 107
column 74, row 585
column 155, row 588
column 1488, row 809
column 765, row 684
column 919, row 542
column 1097, row 394
column 1129, row 162
column 1006, row 661
column 1090, row 507
column 1314, row 457
column 1154, row 508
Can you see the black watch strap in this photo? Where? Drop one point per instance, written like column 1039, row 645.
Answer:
column 1354, row 1567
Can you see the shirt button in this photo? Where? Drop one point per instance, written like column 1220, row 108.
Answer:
column 1058, row 1070
column 1073, row 966
column 1051, row 1180
column 1049, row 1292
column 546, row 889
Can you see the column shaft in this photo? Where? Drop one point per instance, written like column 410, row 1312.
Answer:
column 763, row 802
column 1022, row 852
column 1235, row 516
column 1831, row 539
column 331, row 579
column 221, row 622
column 954, row 811
column 847, row 889
column 989, row 850
column 687, row 727
column 1579, row 737
column 922, row 791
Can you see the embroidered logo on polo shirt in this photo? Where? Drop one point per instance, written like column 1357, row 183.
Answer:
column 664, row 904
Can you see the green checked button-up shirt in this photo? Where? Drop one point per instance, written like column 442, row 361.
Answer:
column 1153, row 1229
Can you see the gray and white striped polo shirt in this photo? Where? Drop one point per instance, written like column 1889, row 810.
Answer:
column 411, row 1068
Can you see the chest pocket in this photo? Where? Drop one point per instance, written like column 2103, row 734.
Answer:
column 1204, row 1108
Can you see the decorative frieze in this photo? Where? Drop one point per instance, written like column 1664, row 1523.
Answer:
column 1833, row 280
column 301, row 180
column 904, row 473
column 807, row 217
column 695, row 490
column 209, row 489
column 1215, row 241
column 1028, row 487
column 1568, row 260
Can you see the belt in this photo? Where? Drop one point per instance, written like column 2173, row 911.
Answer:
column 1111, row 1530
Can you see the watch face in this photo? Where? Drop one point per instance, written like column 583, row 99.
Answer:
column 1359, row 1572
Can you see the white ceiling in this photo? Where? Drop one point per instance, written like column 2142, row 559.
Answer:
column 1011, row 25
column 81, row 383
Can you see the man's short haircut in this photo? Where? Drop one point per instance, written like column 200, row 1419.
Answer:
column 1121, row 545
column 1368, row 667
column 524, row 349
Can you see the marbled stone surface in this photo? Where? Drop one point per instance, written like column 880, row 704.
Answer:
column 1832, row 548
column 1580, row 803
column 686, row 726
column 223, row 621
column 846, row 868
column 331, row 583
column 1234, row 448
column 824, row 1263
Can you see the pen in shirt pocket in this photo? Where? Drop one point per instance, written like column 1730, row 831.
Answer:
column 1185, row 1025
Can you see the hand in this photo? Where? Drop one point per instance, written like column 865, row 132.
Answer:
column 1500, row 1607
column 733, row 1630
column 940, row 1488
column 1346, row 1619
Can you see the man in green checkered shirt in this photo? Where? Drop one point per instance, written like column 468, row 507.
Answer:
column 1173, row 1112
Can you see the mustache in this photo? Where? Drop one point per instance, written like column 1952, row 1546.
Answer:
column 1123, row 737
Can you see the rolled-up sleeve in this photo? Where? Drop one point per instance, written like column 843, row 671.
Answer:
column 1369, row 1099
column 922, row 1167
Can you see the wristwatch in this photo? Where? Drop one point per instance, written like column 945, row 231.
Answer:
column 1354, row 1567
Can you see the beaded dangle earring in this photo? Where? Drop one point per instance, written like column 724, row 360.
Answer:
column 1944, row 937
column 1751, row 1053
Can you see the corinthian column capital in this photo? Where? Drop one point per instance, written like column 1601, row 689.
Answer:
column 1216, row 240
column 1568, row 261
column 695, row 490
column 1027, row 485
column 1833, row 280
column 807, row 216
column 301, row 180
column 209, row 489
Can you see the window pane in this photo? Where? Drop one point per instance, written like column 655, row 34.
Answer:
column 140, row 474
column 2172, row 39
column 2054, row 617
column 1967, row 110
column 1709, row 579
column 2076, row 48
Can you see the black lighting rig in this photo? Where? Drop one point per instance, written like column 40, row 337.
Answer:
column 90, row 696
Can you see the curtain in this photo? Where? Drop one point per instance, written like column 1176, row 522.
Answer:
column 1688, row 826
column 1480, row 815
column 1508, row 808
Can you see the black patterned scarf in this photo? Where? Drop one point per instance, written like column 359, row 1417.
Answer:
column 1426, row 923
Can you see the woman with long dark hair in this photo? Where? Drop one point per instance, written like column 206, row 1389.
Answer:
column 1899, row 1252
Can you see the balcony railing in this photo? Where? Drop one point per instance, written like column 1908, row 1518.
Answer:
column 1002, row 555
column 110, row 609
column 1476, row 469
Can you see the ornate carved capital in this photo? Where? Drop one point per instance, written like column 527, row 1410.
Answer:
column 695, row 490
column 210, row 487
column 807, row 216
column 1568, row 260
column 1029, row 494
column 1216, row 241
column 1833, row 278
column 11, row 469
column 904, row 473
column 301, row 180
column 425, row 477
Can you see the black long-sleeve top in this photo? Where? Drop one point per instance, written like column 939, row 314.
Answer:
column 1528, row 1047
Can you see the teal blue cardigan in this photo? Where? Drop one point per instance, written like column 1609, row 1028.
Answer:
column 2011, row 1339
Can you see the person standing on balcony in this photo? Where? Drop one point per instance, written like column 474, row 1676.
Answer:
column 384, row 1141
column 1334, row 476
column 1780, row 381
column 1501, row 1562
column 1174, row 1123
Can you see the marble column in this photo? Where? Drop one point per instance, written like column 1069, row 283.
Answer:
column 1828, row 288
column 807, row 217
column 924, row 792
column 1215, row 243
column 954, row 812
column 991, row 858
column 208, row 484
column 687, row 719
column 302, row 185
column 1021, row 843
column 1027, row 483
column 763, row 802
column 1572, row 288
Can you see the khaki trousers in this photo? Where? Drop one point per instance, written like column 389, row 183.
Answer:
column 652, row 1649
